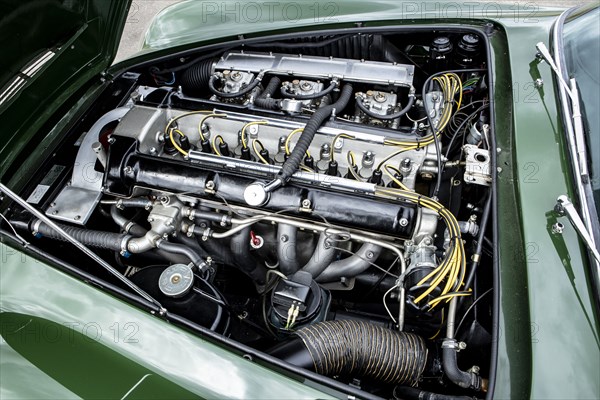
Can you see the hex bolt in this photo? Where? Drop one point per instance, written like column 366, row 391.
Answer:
column 462, row 345
column 370, row 254
column 539, row 82
column 306, row 203
column 368, row 159
column 210, row 185
column 284, row 238
column 77, row 217
column 403, row 222
column 128, row 170
column 557, row 228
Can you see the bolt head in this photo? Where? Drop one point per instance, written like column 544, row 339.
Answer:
column 557, row 228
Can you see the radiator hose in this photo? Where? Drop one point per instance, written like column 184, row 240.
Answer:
column 358, row 349
column 99, row 239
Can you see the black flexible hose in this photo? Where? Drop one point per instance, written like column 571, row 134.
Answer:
column 355, row 348
column 363, row 108
column 316, row 120
column 177, row 248
column 125, row 224
column 411, row 393
column 99, row 239
column 311, row 96
column 265, row 100
column 241, row 92
column 467, row 380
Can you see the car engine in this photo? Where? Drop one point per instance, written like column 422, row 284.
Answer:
column 323, row 199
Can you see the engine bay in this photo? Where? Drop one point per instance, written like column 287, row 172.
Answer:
column 323, row 199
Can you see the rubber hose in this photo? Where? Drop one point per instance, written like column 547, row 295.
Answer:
column 363, row 108
column 125, row 224
column 241, row 92
column 177, row 248
column 322, row 257
column 240, row 247
column 354, row 348
column 467, row 380
column 351, row 266
column 100, row 239
column 316, row 120
column 195, row 79
column 286, row 249
column 265, row 100
column 311, row 96
column 137, row 202
column 410, row 393
column 192, row 244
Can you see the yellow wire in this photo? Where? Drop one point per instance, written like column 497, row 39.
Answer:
column 289, row 137
column 335, row 139
column 212, row 115
column 179, row 149
column 386, row 169
column 214, row 144
column 257, row 152
column 394, row 154
column 440, row 328
column 244, row 145
column 455, row 261
column 352, row 164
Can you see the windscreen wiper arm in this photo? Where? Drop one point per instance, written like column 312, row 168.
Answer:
column 573, row 92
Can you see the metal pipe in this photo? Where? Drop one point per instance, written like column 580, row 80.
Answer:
column 353, row 265
column 243, row 223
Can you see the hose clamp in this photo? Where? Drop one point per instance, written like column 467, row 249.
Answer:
column 36, row 227
column 124, row 245
column 450, row 344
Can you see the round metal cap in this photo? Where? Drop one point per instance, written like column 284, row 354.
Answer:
column 255, row 194
column 176, row 280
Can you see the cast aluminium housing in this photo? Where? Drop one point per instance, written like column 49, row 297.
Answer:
column 374, row 72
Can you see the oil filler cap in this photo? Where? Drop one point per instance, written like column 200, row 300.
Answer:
column 176, row 280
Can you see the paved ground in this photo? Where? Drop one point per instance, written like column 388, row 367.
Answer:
column 142, row 12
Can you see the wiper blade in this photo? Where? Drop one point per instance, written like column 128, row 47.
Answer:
column 16, row 198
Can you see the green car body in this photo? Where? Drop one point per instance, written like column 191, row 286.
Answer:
column 62, row 337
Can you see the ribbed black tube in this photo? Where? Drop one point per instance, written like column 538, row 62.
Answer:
column 316, row 120
column 194, row 80
column 99, row 239
column 265, row 100
column 363, row 108
column 359, row 349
